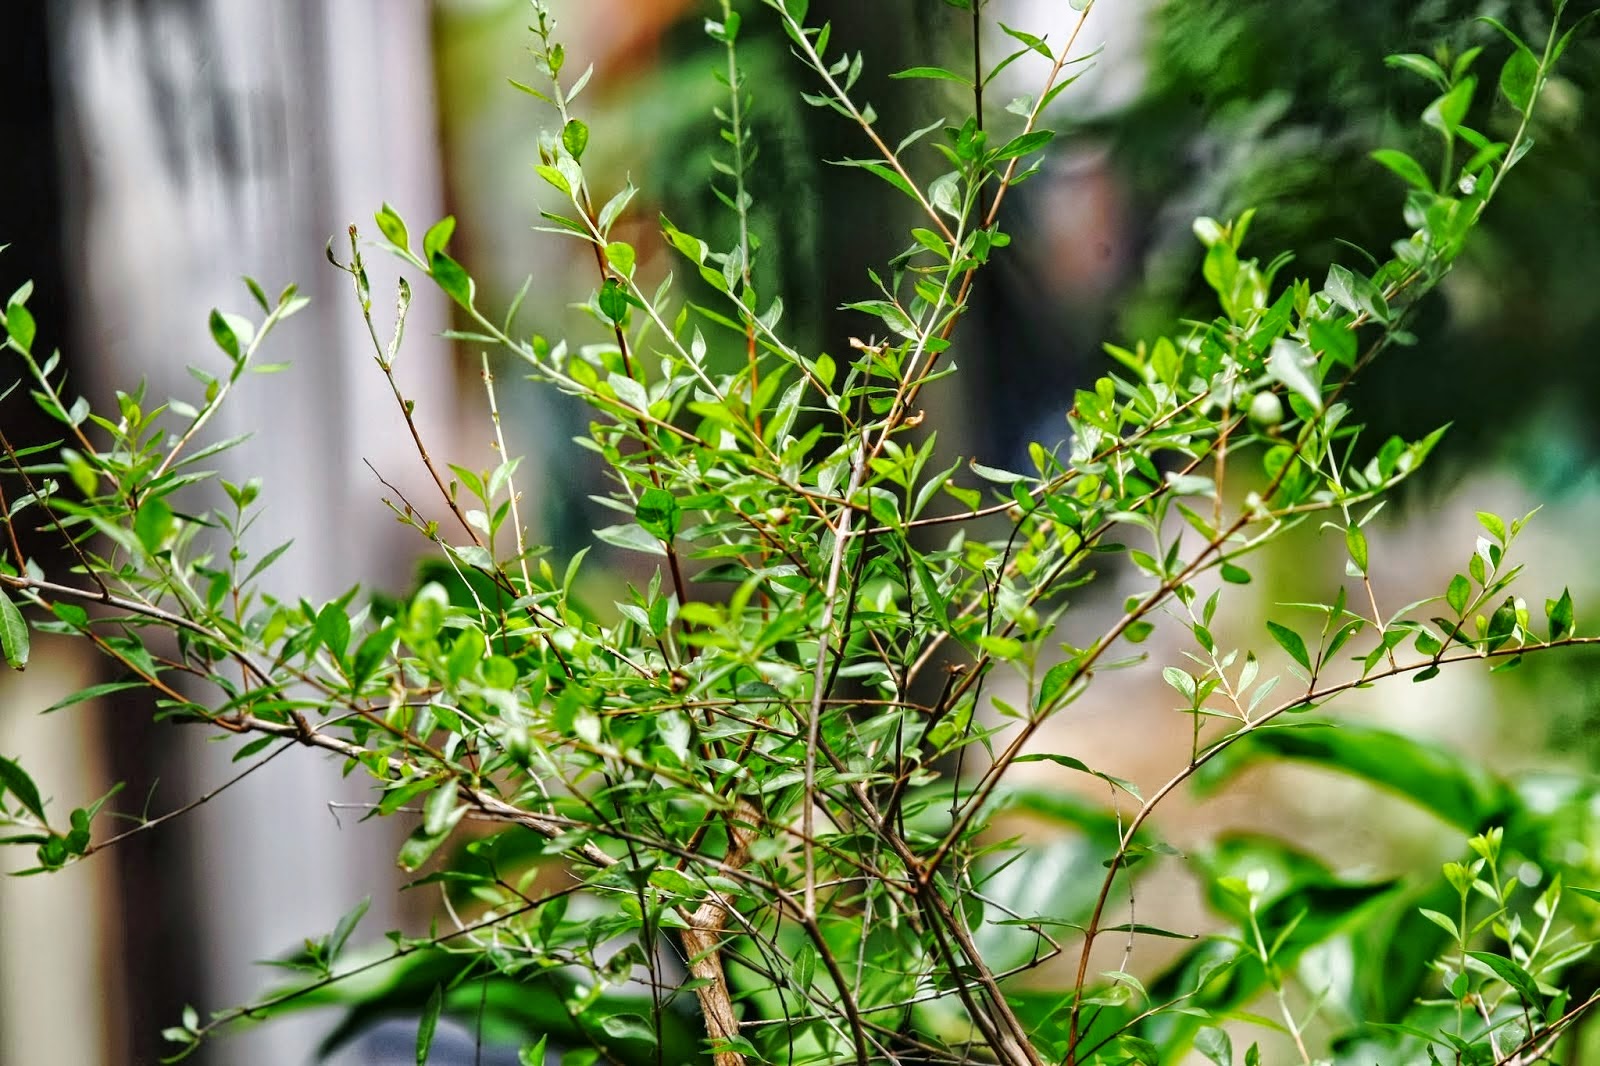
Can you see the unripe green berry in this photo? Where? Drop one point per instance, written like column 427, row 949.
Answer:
column 1266, row 410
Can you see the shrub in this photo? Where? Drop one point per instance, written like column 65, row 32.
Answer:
column 747, row 811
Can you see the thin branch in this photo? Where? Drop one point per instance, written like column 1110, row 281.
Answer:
column 151, row 823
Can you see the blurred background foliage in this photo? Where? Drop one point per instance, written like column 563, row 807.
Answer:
column 1279, row 112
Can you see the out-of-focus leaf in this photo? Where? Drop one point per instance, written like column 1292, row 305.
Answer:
column 15, row 780
column 427, row 1024
column 1437, row 780
column 13, row 633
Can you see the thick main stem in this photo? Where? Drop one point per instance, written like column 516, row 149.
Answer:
column 700, row 942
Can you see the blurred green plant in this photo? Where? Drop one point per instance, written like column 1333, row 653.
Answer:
column 1281, row 114
column 745, row 813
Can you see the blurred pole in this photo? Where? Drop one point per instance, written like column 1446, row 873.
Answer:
column 210, row 139
column 57, row 933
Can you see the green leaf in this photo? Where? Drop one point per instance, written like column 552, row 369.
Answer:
column 419, row 846
column 1001, row 647
column 332, row 628
column 15, row 780
column 20, row 324
column 627, row 1026
column 620, row 256
column 258, row 293
column 575, row 137
column 1520, row 980
column 1519, row 77
column 1024, row 144
column 1502, row 624
column 658, row 512
column 938, row 605
column 1420, row 65
column 613, row 301
column 1443, row 921
column 1290, row 642
column 990, row 473
column 105, row 688
column 1336, row 341
column 1180, row 680
column 614, row 207
column 629, row 392
column 888, row 174
column 1056, row 681
column 1141, row 929
column 1034, row 43
column 372, row 651
column 937, row 73
column 223, row 333
column 1215, row 1044
column 428, row 1023
column 630, row 537
column 1302, row 904
column 392, row 226
column 438, row 812
column 557, row 179
column 804, row 967
column 1356, row 542
column 346, row 926
column 451, row 277
column 437, row 237
column 1560, row 614
column 154, row 523
column 891, row 315
column 266, row 561
column 13, row 633
column 1235, row 575
column 1082, row 767
column 1355, row 292
column 465, row 655
column 1293, row 365
column 78, row 468
column 1561, row 45
column 1506, row 31
column 1405, row 166
column 1458, row 594
column 724, row 32
column 1446, row 112
column 1138, row 632
column 931, row 241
